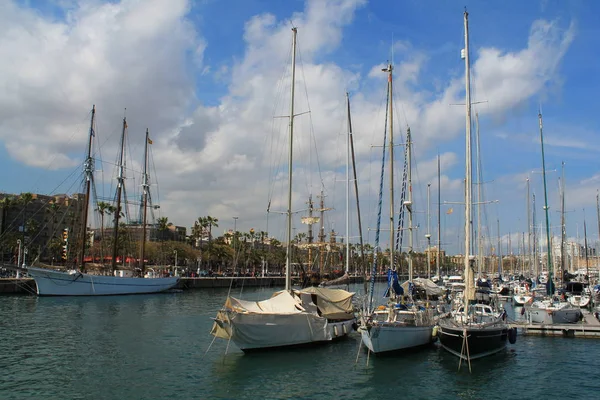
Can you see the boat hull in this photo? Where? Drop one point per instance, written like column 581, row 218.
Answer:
column 521, row 299
column 255, row 332
column 555, row 316
column 57, row 283
column 579, row 300
column 482, row 341
column 382, row 338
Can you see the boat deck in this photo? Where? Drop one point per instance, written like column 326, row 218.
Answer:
column 589, row 327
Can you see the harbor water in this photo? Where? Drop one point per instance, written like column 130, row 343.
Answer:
column 157, row 347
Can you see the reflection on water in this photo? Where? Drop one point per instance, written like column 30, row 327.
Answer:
column 153, row 347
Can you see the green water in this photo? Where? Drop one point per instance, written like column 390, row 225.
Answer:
column 153, row 347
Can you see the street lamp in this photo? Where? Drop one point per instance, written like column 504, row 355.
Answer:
column 19, row 259
column 175, row 252
column 24, row 256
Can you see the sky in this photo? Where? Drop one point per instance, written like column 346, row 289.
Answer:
column 210, row 80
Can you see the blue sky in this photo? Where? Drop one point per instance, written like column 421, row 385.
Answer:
column 203, row 76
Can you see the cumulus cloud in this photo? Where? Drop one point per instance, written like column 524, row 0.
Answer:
column 229, row 158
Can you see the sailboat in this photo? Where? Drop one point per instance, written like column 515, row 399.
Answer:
column 78, row 282
column 400, row 324
column 474, row 330
column 290, row 317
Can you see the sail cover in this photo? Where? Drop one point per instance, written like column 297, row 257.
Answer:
column 430, row 288
column 332, row 303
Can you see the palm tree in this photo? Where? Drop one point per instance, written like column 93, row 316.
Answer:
column 163, row 226
column 210, row 222
column 25, row 199
column 6, row 204
column 103, row 208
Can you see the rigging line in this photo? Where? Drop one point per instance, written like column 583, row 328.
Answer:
column 379, row 209
column 58, row 153
column 312, row 132
column 276, row 141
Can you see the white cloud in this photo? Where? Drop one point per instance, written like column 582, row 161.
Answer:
column 215, row 159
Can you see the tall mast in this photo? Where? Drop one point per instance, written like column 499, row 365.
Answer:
column 288, row 255
column 120, row 183
column 362, row 252
column 529, row 229
column 535, row 240
column 549, row 247
column 409, row 204
column 598, row 212
column 145, row 190
column 499, row 251
column 428, row 235
column 469, row 290
column 563, row 224
column 88, row 169
column 347, row 268
column 587, row 263
column 439, row 222
column 479, row 200
column 391, row 145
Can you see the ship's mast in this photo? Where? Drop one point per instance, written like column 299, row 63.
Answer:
column 288, row 255
column 469, row 289
column 88, row 169
column 120, row 184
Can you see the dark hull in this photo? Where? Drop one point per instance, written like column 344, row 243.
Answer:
column 482, row 341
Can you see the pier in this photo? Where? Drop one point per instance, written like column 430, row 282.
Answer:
column 589, row 327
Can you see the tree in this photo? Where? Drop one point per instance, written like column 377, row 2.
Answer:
column 103, row 208
column 6, row 204
column 163, row 226
column 210, row 222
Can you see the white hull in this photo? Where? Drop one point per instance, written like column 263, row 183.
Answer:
column 264, row 331
column 56, row 283
column 554, row 316
column 579, row 300
column 521, row 299
column 391, row 337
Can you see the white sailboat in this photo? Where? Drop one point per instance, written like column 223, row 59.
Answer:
column 475, row 330
column 398, row 325
column 290, row 317
column 79, row 283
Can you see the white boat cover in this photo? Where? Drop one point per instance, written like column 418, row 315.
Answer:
column 431, row 289
column 284, row 314
column 332, row 303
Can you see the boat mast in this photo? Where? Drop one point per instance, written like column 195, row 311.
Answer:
column 347, row 266
column 469, row 290
column 120, row 183
column 479, row 200
column 439, row 222
column 408, row 203
column 587, row 263
column 499, row 251
column 145, row 190
column 428, row 235
column 535, row 240
column 362, row 252
column 391, row 144
column 88, row 169
column 563, row 227
column 529, row 229
column 288, row 255
column 549, row 249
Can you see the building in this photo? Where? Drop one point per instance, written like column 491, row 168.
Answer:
column 43, row 225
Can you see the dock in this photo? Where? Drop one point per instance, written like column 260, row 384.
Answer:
column 589, row 327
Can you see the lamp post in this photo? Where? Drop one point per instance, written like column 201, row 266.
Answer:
column 175, row 252
column 24, row 256
column 19, row 259
column 234, row 244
